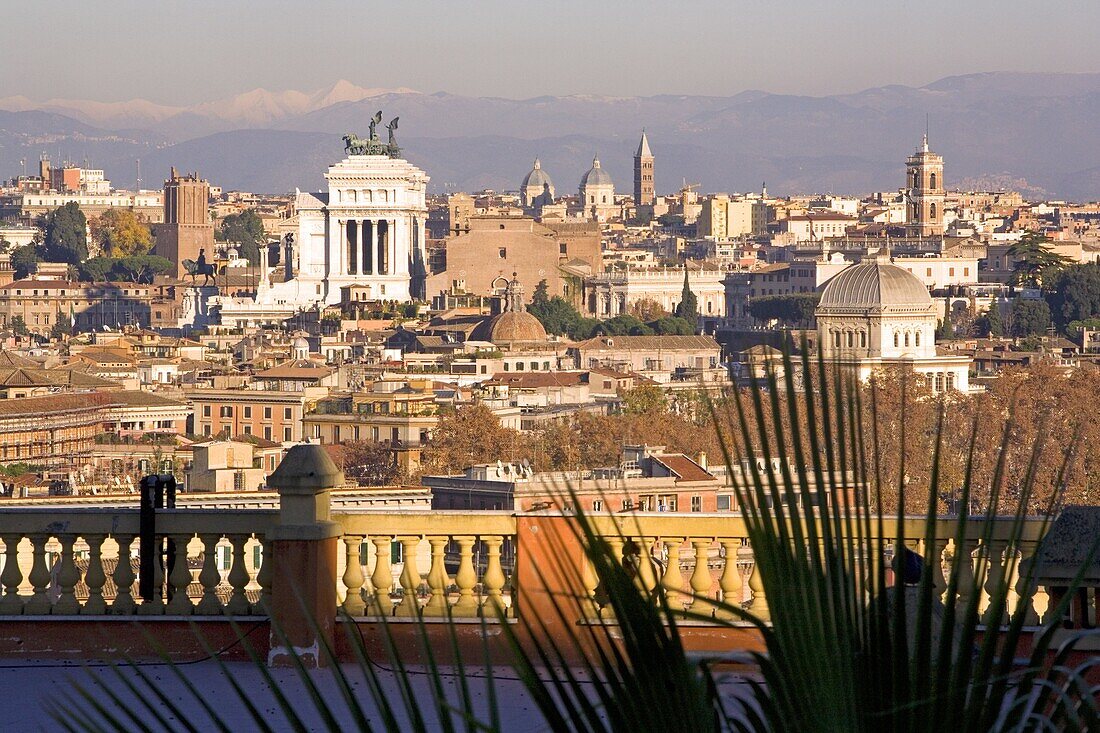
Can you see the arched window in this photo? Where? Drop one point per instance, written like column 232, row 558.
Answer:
column 895, row 339
column 916, row 338
column 863, row 339
column 932, row 210
column 932, row 181
column 850, row 339
column 907, row 339
column 836, row 339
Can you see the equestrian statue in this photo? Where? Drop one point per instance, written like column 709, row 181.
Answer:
column 200, row 267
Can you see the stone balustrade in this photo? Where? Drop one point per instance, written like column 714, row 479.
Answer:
column 446, row 563
column 83, row 561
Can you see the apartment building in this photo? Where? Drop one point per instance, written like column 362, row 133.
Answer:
column 274, row 415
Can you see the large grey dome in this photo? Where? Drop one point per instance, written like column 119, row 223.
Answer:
column 596, row 176
column 876, row 284
column 537, row 179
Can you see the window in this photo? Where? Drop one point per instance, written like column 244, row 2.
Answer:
column 916, row 338
column 502, row 253
column 932, row 184
column 863, row 339
column 397, row 552
column 895, row 339
column 696, row 503
column 267, row 432
column 267, row 413
column 248, row 412
column 928, row 272
column 226, row 411
column 597, row 505
column 206, row 410
column 907, row 338
column 563, row 248
column 224, row 558
column 286, row 434
column 628, row 504
column 723, row 502
column 851, row 339
column 287, row 413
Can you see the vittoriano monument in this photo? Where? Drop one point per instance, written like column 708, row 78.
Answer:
column 373, row 145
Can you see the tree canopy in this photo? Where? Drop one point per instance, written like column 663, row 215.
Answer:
column 1030, row 317
column 66, row 235
column 688, row 307
column 1074, row 294
column 246, row 230
column 134, row 268
column 795, row 310
column 1034, row 261
column 23, row 260
column 119, row 233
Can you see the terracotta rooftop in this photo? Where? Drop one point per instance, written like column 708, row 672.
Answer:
column 683, row 467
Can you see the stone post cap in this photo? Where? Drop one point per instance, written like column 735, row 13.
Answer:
column 306, row 469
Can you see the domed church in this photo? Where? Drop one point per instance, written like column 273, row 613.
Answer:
column 514, row 326
column 537, row 189
column 876, row 314
column 597, row 192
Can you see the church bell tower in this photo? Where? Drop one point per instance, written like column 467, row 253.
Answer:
column 924, row 195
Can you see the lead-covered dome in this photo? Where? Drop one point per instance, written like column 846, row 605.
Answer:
column 875, row 285
column 537, row 179
column 596, row 176
column 510, row 327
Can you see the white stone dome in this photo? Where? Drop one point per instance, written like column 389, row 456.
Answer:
column 875, row 285
column 596, row 176
column 537, row 179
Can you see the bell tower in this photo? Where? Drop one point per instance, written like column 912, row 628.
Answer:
column 924, row 195
column 643, row 174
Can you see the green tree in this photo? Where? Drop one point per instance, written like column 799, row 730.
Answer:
column 120, row 233
column 96, row 269
column 646, row 399
column 994, row 321
column 542, row 292
column 1030, row 317
column 19, row 326
column 946, row 331
column 557, row 315
column 688, row 308
column 66, row 235
column 623, row 324
column 141, row 268
column 24, row 260
column 1034, row 261
column 795, row 310
column 1074, row 294
column 246, row 231
column 672, row 326
column 62, row 327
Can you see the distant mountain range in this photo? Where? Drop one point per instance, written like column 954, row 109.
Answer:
column 1037, row 132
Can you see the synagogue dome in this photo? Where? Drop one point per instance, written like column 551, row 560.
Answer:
column 876, row 284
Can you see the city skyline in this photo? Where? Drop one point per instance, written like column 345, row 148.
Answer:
column 497, row 49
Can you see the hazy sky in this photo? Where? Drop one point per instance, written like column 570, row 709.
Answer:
column 186, row 51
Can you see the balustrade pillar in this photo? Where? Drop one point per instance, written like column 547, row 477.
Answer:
column 409, row 606
column 465, row 579
column 730, row 580
column 179, row 578
column 124, row 576
column 493, row 580
column 262, row 607
column 95, row 578
column 238, row 578
column 209, row 577
column 437, row 579
column 12, row 577
column 701, row 581
column 673, row 580
column 39, row 576
column 67, row 578
column 1025, row 587
column 382, row 579
column 969, row 589
column 353, row 576
column 758, row 604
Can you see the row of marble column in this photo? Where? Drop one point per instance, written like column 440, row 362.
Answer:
column 366, row 246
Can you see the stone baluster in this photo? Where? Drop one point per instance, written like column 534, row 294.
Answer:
column 238, row 578
column 382, row 579
column 615, row 552
column 12, row 603
column 124, row 603
column 409, row 606
column 673, row 580
column 67, row 578
column 647, row 577
column 263, row 578
column 964, row 566
column 179, row 578
column 209, row 577
column 590, row 581
column 730, row 580
column 353, row 575
column 493, row 580
column 95, row 578
column 437, row 579
column 935, row 559
column 701, row 580
column 758, row 604
column 992, row 557
column 1029, row 592
column 466, row 578
column 39, row 576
